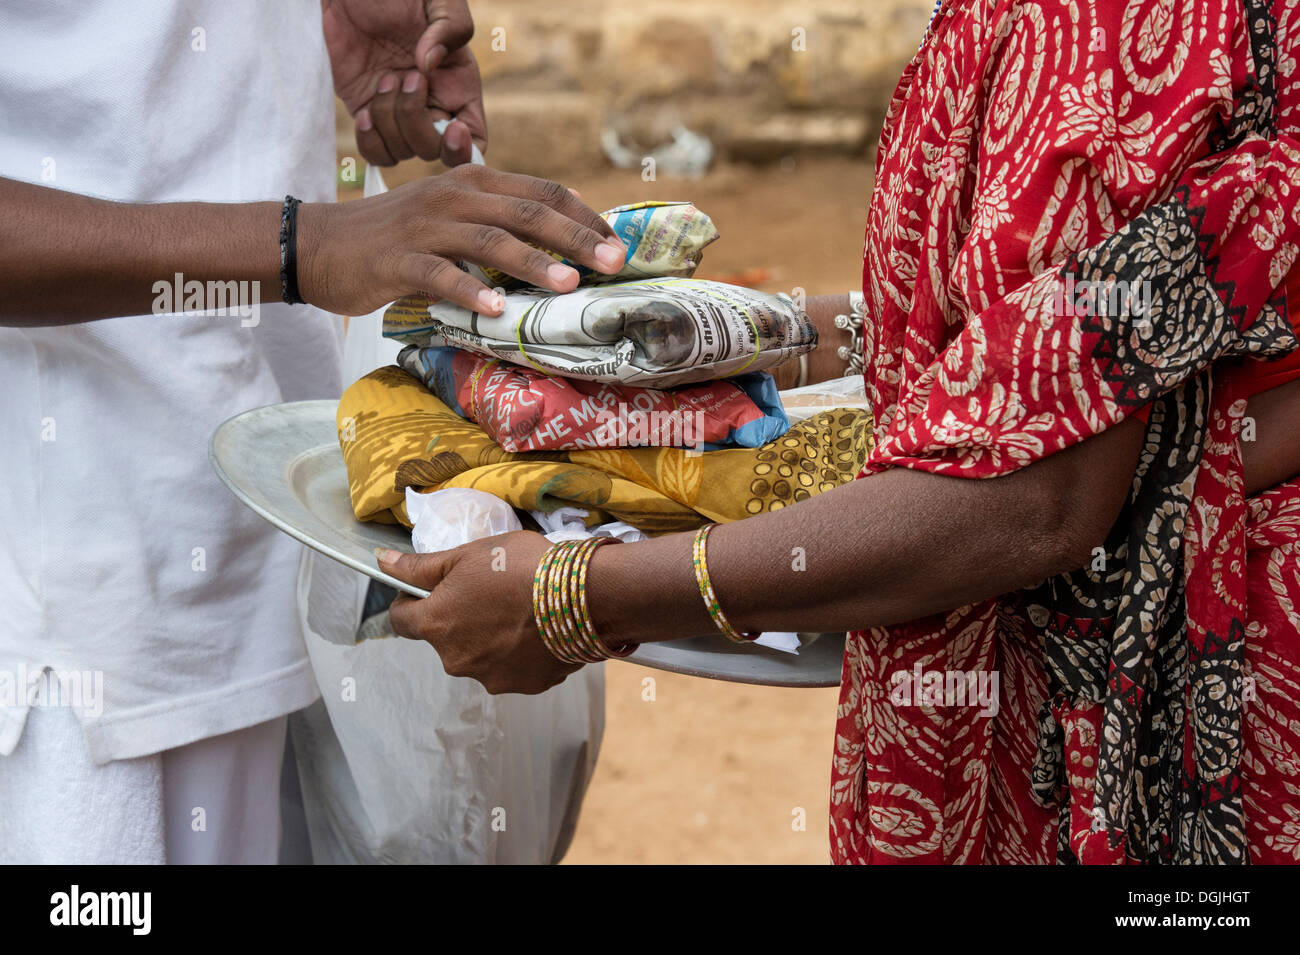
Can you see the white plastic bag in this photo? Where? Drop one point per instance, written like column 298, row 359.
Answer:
column 400, row 762
column 450, row 517
column 847, row 392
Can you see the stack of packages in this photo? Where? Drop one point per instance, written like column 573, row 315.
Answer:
column 640, row 399
column 646, row 357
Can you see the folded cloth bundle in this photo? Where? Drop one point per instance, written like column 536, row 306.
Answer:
column 395, row 434
column 653, row 332
column 662, row 238
column 522, row 409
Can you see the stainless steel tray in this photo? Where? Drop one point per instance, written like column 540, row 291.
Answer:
column 283, row 461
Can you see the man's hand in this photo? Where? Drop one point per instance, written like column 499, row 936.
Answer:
column 400, row 65
column 479, row 614
column 355, row 256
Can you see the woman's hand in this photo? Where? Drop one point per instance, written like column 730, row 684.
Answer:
column 479, row 614
column 354, row 257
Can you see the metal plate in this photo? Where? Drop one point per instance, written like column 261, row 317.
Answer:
column 715, row 657
column 283, row 461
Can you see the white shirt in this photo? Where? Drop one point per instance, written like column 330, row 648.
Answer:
column 120, row 551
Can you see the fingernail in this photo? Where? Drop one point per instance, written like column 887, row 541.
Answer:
column 434, row 57
column 490, row 300
column 454, row 137
column 559, row 273
column 576, row 194
column 388, row 84
column 411, row 81
column 611, row 256
column 363, row 120
column 386, row 556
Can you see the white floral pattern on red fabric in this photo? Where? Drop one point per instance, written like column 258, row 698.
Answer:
column 1031, row 143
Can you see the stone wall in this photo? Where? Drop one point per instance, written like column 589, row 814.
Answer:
column 762, row 79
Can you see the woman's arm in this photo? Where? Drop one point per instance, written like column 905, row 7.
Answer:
column 891, row 547
column 72, row 258
column 886, row 548
column 919, row 543
column 1274, row 454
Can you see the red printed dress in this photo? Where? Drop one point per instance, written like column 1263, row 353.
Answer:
column 1084, row 207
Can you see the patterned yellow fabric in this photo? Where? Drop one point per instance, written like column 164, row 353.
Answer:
column 395, row 434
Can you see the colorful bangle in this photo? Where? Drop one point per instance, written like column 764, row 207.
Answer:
column 557, row 588
column 558, row 641
column 560, row 607
column 541, row 612
column 564, row 587
column 583, row 615
column 700, row 559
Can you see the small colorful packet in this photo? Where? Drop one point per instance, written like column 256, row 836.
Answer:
column 523, row 409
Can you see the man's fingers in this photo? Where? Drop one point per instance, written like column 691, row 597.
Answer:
column 440, row 278
column 553, row 231
column 383, row 110
column 488, row 245
column 550, row 193
column 414, row 119
column 472, row 115
column 450, row 27
column 457, row 144
column 369, row 143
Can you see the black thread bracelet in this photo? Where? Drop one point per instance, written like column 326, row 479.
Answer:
column 289, row 252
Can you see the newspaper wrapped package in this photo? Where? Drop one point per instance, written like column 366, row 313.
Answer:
column 662, row 239
column 658, row 333
column 524, row 410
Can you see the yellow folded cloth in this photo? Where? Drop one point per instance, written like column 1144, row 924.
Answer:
column 395, row 434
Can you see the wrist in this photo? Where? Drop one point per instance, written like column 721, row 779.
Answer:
column 315, row 226
column 825, row 363
column 646, row 592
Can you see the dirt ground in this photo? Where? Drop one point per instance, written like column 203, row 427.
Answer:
column 712, row 772
column 708, row 772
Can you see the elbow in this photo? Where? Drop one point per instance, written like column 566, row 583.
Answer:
column 1075, row 546
column 1071, row 530
column 1076, row 496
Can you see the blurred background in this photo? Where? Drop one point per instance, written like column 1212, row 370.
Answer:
column 764, row 113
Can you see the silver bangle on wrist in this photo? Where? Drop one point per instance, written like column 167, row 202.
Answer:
column 852, row 322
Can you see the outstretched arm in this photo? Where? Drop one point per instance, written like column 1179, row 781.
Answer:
column 891, row 547
column 71, row 258
column 887, row 548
